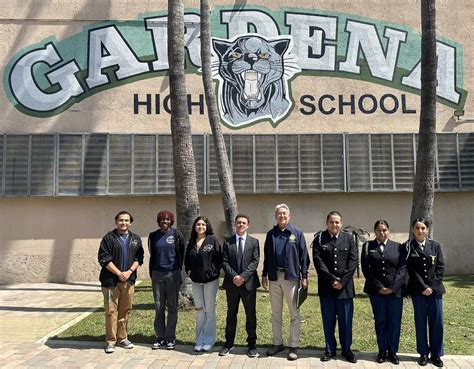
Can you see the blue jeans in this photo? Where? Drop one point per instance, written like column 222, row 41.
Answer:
column 205, row 303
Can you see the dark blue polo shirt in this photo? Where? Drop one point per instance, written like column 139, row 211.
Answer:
column 164, row 251
column 281, row 240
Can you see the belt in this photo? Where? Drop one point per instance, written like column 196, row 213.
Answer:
column 280, row 270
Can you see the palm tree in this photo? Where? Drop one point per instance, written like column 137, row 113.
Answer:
column 423, row 186
column 187, row 200
column 229, row 200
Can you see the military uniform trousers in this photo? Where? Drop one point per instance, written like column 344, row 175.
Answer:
column 388, row 321
column 429, row 313
column 342, row 310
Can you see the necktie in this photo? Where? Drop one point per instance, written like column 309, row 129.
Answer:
column 381, row 245
column 240, row 252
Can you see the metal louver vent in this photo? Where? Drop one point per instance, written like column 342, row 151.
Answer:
column 243, row 164
column 466, row 160
column 121, row 164
column 333, row 163
column 42, row 165
column 16, row 165
column 70, row 171
column 144, row 164
column 165, row 165
column 265, row 163
column 95, row 164
column 288, row 163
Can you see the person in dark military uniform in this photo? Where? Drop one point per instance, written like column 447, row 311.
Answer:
column 425, row 264
column 335, row 259
column 384, row 266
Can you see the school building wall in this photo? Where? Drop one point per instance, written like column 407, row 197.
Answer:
column 337, row 84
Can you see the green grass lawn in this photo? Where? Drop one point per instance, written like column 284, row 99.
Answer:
column 458, row 320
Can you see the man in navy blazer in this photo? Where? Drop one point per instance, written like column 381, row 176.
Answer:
column 241, row 254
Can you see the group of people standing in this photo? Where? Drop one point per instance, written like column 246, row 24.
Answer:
column 386, row 265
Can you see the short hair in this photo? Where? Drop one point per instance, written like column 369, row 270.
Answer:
column 333, row 212
column 421, row 220
column 208, row 227
column 123, row 212
column 165, row 214
column 242, row 215
column 282, row 206
column 379, row 222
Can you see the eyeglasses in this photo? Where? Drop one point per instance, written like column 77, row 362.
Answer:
column 164, row 219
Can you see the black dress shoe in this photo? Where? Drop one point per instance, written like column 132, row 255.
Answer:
column 423, row 360
column 328, row 356
column 349, row 356
column 381, row 356
column 393, row 359
column 252, row 352
column 275, row 349
column 226, row 351
column 436, row 361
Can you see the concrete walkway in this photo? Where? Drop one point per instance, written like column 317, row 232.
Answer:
column 31, row 313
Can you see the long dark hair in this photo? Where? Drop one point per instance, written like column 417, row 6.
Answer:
column 208, row 227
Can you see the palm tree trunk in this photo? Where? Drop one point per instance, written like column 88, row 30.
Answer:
column 187, row 200
column 423, row 186
column 229, row 200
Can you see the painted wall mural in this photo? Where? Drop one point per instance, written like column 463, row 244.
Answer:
column 258, row 52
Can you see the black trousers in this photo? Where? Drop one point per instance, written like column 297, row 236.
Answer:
column 234, row 296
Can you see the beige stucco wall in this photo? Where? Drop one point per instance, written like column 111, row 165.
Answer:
column 28, row 22
column 56, row 240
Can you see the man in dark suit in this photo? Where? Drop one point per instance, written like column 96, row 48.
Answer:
column 335, row 259
column 241, row 254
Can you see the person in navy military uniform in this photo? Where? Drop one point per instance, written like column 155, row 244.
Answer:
column 425, row 264
column 335, row 259
column 384, row 266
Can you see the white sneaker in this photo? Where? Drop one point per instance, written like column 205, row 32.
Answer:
column 158, row 344
column 207, row 348
column 126, row 344
column 109, row 348
column 198, row 348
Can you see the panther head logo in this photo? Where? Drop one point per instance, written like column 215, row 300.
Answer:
column 253, row 74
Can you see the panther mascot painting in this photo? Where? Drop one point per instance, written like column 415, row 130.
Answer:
column 253, row 74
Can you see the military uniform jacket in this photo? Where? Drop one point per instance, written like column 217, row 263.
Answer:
column 384, row 269
column 335, row 261
column 425, row 268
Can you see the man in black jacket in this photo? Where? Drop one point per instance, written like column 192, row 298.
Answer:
column 120, row 254
column 335, row 259
column 240, row 259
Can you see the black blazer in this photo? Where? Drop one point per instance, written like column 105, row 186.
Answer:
column 384, row 269
column 250, row 261
column 425, row 268
column 335, row 262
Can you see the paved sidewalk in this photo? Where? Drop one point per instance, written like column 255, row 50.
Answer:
column 31, row 313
